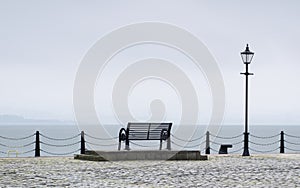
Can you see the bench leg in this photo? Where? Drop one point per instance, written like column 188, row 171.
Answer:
column 127, row 145
column 160, row 145
column 169, row 143
column 119, row 147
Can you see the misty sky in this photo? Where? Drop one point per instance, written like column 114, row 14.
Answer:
column 43, row 42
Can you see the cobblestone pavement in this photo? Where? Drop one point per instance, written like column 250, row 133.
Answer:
column 218, row 171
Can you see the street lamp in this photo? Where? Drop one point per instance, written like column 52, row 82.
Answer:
column 247, row 56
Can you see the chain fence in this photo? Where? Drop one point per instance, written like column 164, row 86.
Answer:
column 281, row 143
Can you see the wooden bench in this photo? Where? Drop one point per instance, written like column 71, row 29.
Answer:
column 145, row 131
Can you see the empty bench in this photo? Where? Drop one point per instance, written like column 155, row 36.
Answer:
column 146, row 131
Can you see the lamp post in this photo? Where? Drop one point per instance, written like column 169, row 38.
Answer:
column 247, row 56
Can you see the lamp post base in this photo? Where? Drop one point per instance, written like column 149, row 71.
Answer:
column 246, row 152
column 246, row 146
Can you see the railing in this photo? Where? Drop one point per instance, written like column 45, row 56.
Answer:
column 38, row 143
column 41, row 143
column 267, row 144
column 13, row 148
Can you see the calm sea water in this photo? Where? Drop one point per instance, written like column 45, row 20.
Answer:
column 53, row 143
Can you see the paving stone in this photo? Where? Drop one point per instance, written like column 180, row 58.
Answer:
column 218, row 171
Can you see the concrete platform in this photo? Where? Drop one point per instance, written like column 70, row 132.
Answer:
column 140, row 155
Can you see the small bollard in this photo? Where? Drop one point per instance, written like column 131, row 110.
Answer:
column 224, row 148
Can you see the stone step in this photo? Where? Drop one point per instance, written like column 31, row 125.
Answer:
column 140, row 155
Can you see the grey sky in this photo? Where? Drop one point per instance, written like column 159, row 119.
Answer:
column 43, row 42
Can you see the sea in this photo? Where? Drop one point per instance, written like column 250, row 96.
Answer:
column 65, row 140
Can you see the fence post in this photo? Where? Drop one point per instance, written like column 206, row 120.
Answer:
column 207, row 148
column 281, row 142
column 82, row 143
column 37, row 144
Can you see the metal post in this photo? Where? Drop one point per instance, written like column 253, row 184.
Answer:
column 247, row 56
column 281, row 142
column 37, row 144
column 246, row 133
column 82, row 143
column 207, row 148
column 246, row 102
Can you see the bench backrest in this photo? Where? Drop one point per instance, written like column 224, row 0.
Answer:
column 147, row 131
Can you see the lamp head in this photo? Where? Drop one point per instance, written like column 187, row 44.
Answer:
column 247, row 55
